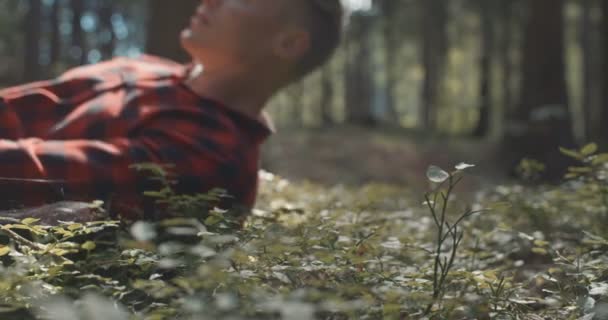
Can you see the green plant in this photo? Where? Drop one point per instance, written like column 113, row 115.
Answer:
column 320, row 252
column 201, row 206
column 592, row 178
column 448, row 234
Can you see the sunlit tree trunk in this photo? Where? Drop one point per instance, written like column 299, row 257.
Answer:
column 32, row 26
column 433, row 49
column 358, row 79
column 542, row 119
column 167, row 20
column 486, row 9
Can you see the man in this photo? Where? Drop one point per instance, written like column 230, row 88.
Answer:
column 78, row 136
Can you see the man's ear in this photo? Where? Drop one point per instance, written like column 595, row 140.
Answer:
column 292, row 44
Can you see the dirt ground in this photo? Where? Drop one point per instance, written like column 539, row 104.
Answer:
column 355, row 156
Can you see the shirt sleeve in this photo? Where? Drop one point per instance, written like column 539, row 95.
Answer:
column 30, row 110
column 96, row 169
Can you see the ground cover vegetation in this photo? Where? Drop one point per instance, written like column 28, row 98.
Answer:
column 411, row 84
column 311, row 252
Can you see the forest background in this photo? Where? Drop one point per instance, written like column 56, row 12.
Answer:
column 521, row 76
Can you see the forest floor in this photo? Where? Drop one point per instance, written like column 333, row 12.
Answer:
column 353, row 224
column 354, row 156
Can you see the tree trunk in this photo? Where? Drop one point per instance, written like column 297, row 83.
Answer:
column 358, row 63
column 434, row 49
column 542, row 120
column 107, row 28
column 167, row 20
column 486, row 8
column 506, row 47
column 587, row 32
column 55, row 40
column 604, row 41
column 32, row 25
column 79, row 48
column 392, row 42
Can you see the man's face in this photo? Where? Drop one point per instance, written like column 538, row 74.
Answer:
column 233, row 32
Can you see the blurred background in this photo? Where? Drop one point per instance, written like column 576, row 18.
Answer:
column 415, row 82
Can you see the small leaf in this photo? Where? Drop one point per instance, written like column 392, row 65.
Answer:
column 599, row 289
column 29, row 221
column 463, row 166
column 572, row 175
column 525, row 236
column 499, row 205
column 589, row 149
column 436, row 174
column 580, row 169
column 4, row 250
column 213, row 220
column 541, row 251
column 282, row 277
column 89, row 245
column 74, row 226
column 36, row 230
column 571, row 153
column 154, row 194
column 143, row 231
column 59, row 251
column 600, row 158
column 97, row 204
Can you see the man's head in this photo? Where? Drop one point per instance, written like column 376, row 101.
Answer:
column 287, row 37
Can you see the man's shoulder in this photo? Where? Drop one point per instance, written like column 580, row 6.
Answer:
column 156, row 60
column 140, row 66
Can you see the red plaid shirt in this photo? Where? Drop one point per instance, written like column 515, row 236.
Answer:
column 86, row 128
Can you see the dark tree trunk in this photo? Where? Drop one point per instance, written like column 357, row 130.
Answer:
column 585, row 43
column 107, row 28
column 506, row 48
column 358, row 81
column 542, row 119
column 486, row 8
column 543, row 79
column 79, row 48
column 604, row 41
column 167, row 20
column 588, row 89
column 392, row 42
column 55, row 40
column 32, row 25
column 434, row 48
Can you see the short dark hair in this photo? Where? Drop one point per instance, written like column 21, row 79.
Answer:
column 323, row 21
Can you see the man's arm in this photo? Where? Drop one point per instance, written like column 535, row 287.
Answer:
column 94, row 169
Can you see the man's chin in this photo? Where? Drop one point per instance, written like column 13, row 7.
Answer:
column 186, row 40
column 189, row 45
